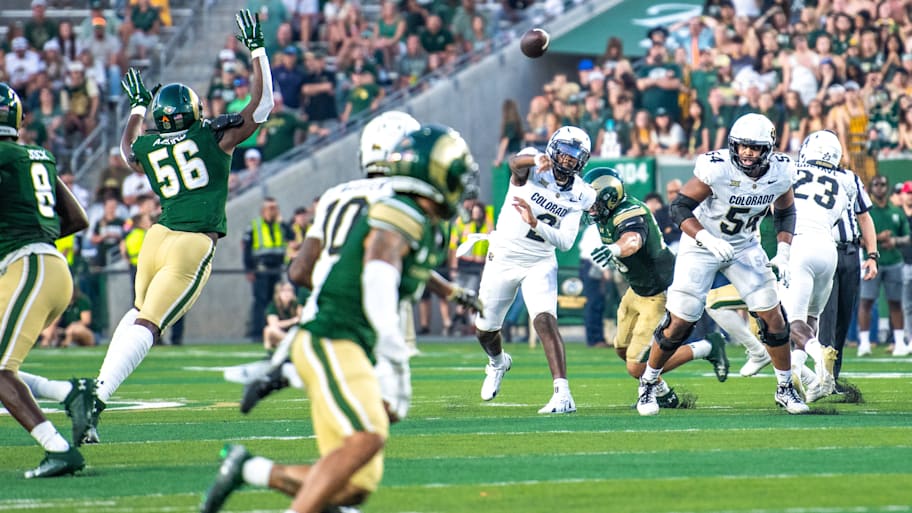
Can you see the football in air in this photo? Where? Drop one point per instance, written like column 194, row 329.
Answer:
column 534, row 43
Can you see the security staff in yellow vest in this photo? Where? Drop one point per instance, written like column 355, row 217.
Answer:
column 465, row 271
column 264, row 244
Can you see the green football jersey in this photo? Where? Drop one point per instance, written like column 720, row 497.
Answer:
column 651, row 269
column 189, row 172
column 28, row 177
column 340, row 313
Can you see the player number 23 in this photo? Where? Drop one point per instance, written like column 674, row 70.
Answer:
column 192, row 169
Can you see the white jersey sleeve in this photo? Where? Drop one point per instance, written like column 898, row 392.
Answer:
column 821, row 197
column 738, row 202
column 558, row 210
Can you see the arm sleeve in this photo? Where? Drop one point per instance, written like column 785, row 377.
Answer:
column 862, row 201
column 563, row 237
column 380, row 282
column 634, row 224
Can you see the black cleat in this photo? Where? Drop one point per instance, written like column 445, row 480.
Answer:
column 259, row 388
column 79, row 404
column 669, row 400
column 230, row 478
column 58, row 464
column 717, row 356
column 91, row 435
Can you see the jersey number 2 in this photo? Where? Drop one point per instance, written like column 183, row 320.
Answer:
column 192, row 169
column 548, row 219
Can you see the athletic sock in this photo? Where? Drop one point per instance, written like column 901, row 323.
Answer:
column 738, row 330
column 700, row 348
column 783, row 377
column 497, row 361
column 864, row 338
column 898, row 338
column 662, row 388
column 123, row 356
column 561, row 386
column 799, row 358
column 813, row 348
column 650, row 375
column 256, row 471
column 290, row 373
column 44, row 388
column 46, row 435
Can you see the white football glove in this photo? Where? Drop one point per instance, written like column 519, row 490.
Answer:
column 780, row 263
column 395, row 386
column 718, row 247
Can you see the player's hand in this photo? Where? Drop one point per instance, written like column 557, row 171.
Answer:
column 395, row 380
column 780, row 263
column 608, row 257
column 467, row 299
column 251, row 30
column 135, row 89
column 542, row 163
column 525, row 211
column 718, row 247
column 869, row 269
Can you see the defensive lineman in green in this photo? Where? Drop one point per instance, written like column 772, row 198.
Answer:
column 35, row 282
column 633, row 245
column 187, row 161
column 391, row 248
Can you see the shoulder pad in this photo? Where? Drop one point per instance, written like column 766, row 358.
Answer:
column 397, row 215
column 630, row 211
column 224, row 122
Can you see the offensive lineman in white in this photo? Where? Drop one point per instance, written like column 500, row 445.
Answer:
column 548, row 201
column 718, row 210
column 823, row 190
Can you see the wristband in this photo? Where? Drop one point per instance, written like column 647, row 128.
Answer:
column 139, row 110
column 874, row 255
column 259, row 52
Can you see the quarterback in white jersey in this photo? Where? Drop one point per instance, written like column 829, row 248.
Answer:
column 718, row 211
column 823, row 191
column 548, row 200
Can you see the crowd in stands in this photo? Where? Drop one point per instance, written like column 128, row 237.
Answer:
column 68, row 71
column 806, row 65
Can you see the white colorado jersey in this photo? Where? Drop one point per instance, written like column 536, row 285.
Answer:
column 338, row 208
column 738, row 202
column 558, row 210
column 821, row 197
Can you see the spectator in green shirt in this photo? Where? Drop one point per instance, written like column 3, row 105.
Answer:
column 659, row 82
column 282, row 131
column 146, row 23
column 73, row 325
column 364, row 95
column 892, row 229
column 39, row 29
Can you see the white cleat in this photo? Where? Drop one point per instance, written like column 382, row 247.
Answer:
column 787, row 397
column 902, row 349
column 647, row 404
column 754, row 364
column 493, row 377
column 559, row 403
column 864, row 349
column 816, row 392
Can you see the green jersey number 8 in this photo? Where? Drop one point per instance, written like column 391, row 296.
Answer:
column 192, row 169
column 44, row 193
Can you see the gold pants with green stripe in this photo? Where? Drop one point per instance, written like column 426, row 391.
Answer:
column 172, row 270
column 344, row 396
column 34, row 290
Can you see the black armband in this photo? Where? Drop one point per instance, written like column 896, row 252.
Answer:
column 784, row 219
column 224, row 122
column 634, row 224
column 682, row 208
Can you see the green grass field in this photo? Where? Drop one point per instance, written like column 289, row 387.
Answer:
column 735, row 451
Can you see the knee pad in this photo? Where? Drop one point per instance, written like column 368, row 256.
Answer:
column 773, row 339
column 665, row 343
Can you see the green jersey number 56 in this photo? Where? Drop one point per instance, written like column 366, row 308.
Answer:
column 191, row 170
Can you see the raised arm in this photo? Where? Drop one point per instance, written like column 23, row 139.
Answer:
column 73, row 218
column 261, row 99
column 140, row 98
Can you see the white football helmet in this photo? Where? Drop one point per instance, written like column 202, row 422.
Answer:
column 822, row 148
column 378, row 138
column 752, row 130
column 568, row 149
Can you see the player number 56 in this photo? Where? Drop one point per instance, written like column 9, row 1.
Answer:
column 192, row 169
